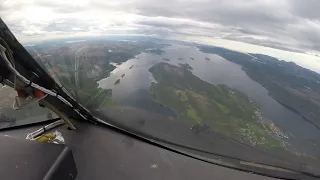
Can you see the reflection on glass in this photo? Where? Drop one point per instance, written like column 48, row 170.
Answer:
column 31, row 113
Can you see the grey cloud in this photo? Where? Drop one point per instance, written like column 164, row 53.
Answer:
column 174, row 24
column 292, row 25
column 306, row 8
column 24, row 26
column 246, row 31
column 273, row 19
column 2, row 8
column 65, row 7
column 62, row 7
column 67, row 25
column 269, row 43
column 184, row 27
column 6, row 8
column 307, row 33
column 240, row 12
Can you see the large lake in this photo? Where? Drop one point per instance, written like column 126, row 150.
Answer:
column 133, row 90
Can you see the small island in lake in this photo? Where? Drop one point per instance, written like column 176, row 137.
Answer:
column 117, row 82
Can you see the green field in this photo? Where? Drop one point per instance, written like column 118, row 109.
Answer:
column 227, row 111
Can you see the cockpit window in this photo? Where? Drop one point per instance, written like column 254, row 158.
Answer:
column 30, row 113
column 237, row 79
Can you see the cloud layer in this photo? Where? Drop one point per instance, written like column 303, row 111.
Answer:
column 292, row 25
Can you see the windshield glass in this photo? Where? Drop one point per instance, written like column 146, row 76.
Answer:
column 235, row 78
column 29, row 114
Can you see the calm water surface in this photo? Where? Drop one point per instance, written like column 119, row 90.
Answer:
column 133, row 90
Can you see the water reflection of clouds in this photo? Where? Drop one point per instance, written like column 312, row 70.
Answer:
column 136, row 78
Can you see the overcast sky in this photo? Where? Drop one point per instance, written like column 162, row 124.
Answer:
column 291, row 25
